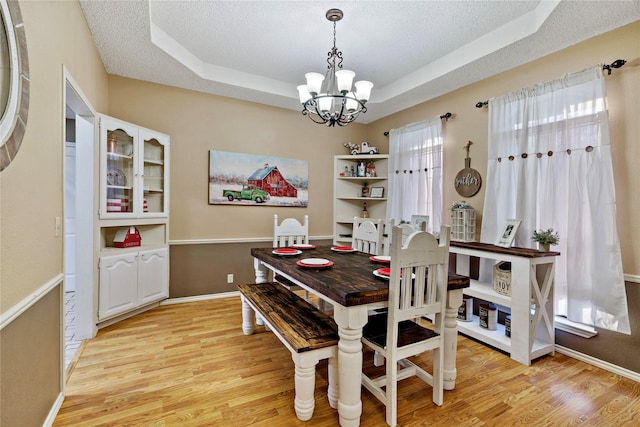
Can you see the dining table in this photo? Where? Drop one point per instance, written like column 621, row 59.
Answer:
column 351, row 282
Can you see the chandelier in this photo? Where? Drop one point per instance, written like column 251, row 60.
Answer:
column 329, row 99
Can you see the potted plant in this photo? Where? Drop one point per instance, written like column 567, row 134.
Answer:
column 545, row 238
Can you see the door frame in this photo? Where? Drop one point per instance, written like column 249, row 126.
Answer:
column 86, row 235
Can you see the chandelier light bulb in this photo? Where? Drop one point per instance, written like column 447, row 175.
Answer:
column 304, row 94
column 352, row 102
column 345, row 80
column 363, row 90
column 325, row 102
column 314, row 82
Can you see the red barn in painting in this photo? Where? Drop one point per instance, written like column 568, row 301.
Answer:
column 271, row 180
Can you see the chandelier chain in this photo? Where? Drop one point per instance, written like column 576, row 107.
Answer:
column 334, row 53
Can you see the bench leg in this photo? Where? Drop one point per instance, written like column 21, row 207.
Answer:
column 261, row 277
column 333, row 390
column 248, row 317
column 305, row 380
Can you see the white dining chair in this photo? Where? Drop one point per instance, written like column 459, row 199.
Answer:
column 394, row 334
column 386, row 236
column 290, row 232
column 367, row 235
column 408, row 229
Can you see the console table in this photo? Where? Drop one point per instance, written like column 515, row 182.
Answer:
column 530, row 303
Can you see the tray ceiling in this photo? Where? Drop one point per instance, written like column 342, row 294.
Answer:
column 412, row 51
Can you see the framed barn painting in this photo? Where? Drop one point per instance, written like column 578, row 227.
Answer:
column 256, row 180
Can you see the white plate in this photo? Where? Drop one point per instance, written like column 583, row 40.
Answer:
column 315, row 261
column 116, row 177
column 382, row 276
column 286, row 253
column 303, row 246
column 380, row 258
column 343, row 249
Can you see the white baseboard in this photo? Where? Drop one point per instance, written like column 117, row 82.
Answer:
column 610, row 367
column 196, row 298
column 51, row 416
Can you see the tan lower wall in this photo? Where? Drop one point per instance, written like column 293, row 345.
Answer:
column 618, row 349
column 30, row 363
column 201, row 269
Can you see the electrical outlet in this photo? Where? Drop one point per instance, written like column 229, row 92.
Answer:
column 229, row 278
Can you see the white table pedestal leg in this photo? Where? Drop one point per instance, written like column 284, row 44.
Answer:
column 350, row 322
column 450, row 336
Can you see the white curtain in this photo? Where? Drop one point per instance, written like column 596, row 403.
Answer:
column 550, row 166
column 415, row 173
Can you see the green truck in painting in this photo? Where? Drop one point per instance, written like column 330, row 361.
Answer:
column 248, row 192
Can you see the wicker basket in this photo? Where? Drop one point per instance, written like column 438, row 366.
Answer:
column 502, row 278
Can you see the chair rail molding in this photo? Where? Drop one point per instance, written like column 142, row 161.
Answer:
column 14, row 312
column 178, row 242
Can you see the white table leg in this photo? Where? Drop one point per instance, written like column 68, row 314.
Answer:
column 350, row 321
column 450, row 337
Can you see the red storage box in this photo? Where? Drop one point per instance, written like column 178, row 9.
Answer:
column 127, row 238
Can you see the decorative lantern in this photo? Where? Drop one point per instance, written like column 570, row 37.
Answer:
column 463, row 222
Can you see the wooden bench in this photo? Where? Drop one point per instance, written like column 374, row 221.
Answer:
column 308, row 333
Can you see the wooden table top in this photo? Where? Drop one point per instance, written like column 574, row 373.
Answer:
column 522, row 252
column 350, row 281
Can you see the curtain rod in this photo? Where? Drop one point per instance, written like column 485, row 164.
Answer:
column 445, row 116
column 618, row 63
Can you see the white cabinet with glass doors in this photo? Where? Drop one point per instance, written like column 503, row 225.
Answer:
column 134, row 201
column 134, row 171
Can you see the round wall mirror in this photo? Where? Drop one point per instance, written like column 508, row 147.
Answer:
column 14, row 81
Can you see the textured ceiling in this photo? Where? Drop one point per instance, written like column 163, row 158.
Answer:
column 412, row 51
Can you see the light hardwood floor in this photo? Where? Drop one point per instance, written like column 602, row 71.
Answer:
column 190, row 365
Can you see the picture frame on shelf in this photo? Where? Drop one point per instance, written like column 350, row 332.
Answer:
column 418, row 220
column 376, row 192
column 508, row 233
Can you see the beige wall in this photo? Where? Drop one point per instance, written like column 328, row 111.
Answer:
column 31, row 186
column 30, row 198
column 198, row 123
column 470, row 123
column 623, row 96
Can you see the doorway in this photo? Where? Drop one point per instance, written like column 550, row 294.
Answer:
column 79, row 207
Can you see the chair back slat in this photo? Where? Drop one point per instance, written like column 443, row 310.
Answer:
column 290, row 232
